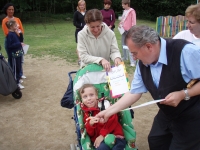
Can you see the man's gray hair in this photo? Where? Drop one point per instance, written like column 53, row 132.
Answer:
column 141, row 35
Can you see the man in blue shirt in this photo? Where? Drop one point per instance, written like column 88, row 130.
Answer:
column 164, row 69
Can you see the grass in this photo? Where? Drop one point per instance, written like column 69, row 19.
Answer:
column 56, row 38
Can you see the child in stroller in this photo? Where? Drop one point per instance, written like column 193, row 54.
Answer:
column 97, row 131
column 95, row 74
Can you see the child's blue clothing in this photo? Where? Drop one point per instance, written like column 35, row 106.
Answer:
column 13, row 43
column 15, row 52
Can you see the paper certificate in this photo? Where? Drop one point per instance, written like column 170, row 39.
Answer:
column 25, row 48
column 121, row 30
column 118, row 82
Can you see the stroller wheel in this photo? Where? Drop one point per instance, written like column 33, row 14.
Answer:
column 74, row 147
column 17, row 94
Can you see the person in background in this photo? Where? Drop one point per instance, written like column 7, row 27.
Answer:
column 9, row 11
column 108, row 14
column 14, row 50
column 97, row 43
column 128, row 20
column 97, row 131
column 78, row 20
column 165, row 68
column 192, row 14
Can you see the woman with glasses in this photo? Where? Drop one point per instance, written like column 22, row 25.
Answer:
column 96, row 42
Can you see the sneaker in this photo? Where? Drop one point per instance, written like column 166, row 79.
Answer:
column 21, row 81
column 20, row 86
column 132, row 65
column 23, row 77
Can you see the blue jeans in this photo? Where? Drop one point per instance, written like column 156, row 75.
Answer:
column 9, row 59
column 16, row 67
column 120, row 144
column 124, row 51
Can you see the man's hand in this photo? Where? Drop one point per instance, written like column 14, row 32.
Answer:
column 98, row 141
column 174, row 98
column 103, row 116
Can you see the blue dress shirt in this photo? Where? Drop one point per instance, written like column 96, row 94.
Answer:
column 190, row 67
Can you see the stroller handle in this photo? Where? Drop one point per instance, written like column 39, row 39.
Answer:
column 70, row 74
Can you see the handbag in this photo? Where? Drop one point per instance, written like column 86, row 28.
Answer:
column 68, row 98
column 18, row 53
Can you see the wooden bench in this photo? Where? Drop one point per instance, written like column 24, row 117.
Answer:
column 168, row 26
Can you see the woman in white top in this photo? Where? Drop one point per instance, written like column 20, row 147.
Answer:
column 192, row 14
column 96, row 42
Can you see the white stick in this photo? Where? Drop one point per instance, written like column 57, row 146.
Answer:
column 145, row 104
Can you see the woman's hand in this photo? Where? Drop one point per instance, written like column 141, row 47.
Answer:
column 106, row 64
column 98, row 141
column 117, row 61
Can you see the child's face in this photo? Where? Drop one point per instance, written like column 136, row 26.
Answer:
column 124, row 6
column 106, row 6
column 89, row 97
column 14, row 27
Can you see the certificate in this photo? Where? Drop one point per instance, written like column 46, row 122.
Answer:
column 118, row 81
column 25, row 48
column 121, row 30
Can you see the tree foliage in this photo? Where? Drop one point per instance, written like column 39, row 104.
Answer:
column 145, row 9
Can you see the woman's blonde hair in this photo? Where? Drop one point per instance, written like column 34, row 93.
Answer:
column 80, row 2
column 193, row 10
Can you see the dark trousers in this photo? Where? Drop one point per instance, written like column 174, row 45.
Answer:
column 120, row 144
column 16, row 67
column 9, row 59
column 182, row 133
column 76, row 34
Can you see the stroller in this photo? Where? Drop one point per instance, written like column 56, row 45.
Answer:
column 94, row 74
column 8, row 84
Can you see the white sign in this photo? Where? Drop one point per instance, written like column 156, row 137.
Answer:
column 25, row 48
column 118, row 81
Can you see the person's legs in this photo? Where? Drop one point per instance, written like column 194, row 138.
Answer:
column 120, row 144
column 160, row 137
column 21, row 71
column 103, row 146
column 9, row 59
column 76, row 37
column 185, row 130
column 124, row 51
column 18, row 61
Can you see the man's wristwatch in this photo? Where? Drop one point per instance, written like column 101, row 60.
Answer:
column 187, row 96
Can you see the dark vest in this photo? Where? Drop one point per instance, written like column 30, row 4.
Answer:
column 170, row 80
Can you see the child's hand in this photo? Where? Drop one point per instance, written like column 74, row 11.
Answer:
column 92, row 120
column 23, row 44
column 98, row 141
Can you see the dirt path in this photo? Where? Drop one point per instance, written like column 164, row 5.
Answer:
column 38, row 122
